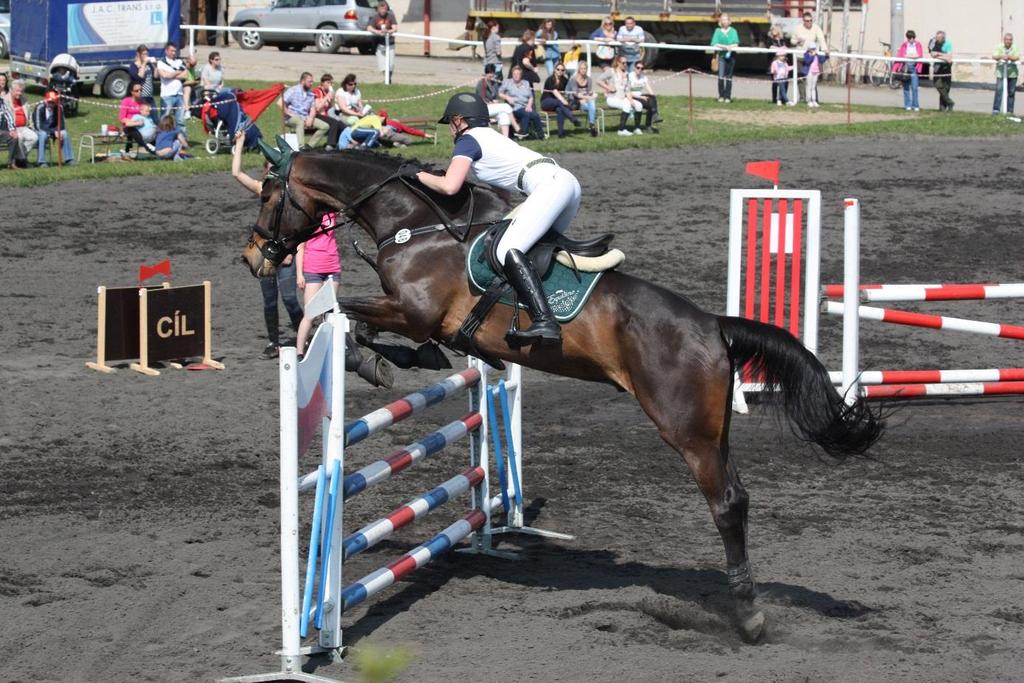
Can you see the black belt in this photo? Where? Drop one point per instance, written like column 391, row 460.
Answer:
column 535, row 162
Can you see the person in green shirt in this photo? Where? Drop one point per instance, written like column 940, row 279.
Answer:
column 1007, row 55
column 941, row 50
column 725, row 40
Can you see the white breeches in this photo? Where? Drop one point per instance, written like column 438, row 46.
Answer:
column 625, row 104
column 502, row 110
column 552, row 202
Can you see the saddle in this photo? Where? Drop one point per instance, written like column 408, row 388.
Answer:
column 591, row 257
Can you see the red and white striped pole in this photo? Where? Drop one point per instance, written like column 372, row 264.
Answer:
column 934, row 390
column 938, row 322
column 936, row 292
column 871, row 377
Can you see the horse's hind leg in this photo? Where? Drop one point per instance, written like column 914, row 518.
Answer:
column 693, row 417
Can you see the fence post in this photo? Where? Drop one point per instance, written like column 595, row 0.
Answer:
column 851, row 299
column 795, row 98
column 191, row 42
column 590, row 67
column 1006, row 94
column 387, row 59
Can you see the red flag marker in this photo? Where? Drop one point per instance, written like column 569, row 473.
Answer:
column 162, row 268
column 768, row 170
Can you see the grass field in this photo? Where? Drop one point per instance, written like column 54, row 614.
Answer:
column 712, row 123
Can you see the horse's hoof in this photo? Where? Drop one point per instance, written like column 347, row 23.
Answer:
column 752, row 629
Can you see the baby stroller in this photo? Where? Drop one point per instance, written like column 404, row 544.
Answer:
column 224, row 114
column 64, row 79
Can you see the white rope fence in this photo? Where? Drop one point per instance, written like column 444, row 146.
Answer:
column 590, row 45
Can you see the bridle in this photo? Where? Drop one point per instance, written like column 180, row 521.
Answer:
column 275, row 249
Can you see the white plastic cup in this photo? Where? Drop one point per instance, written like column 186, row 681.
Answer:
column 104, row 130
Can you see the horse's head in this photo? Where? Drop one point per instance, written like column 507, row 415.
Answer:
column 299, row 189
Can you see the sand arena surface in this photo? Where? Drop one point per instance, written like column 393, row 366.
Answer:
column 138, row 516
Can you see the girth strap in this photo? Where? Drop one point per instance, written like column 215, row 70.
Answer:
column 463, row 339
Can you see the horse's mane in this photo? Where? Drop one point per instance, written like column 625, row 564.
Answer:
column 390, row 163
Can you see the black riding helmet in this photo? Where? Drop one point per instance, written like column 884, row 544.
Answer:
column 469, row 106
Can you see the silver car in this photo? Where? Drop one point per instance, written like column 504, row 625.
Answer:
column 346, row 15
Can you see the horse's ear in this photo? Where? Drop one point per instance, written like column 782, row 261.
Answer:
column 272, row 155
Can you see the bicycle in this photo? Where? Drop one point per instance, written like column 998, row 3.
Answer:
column 880, row 71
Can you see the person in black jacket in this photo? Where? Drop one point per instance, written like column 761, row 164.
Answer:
column 48, row 120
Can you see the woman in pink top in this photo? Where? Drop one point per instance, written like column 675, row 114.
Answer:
column 130, row 106
column 911, row 49
column 316, row 260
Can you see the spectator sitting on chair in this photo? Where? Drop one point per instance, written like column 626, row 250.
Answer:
column 211, row 77
column 9, row 137
column 322, row 106
column 615, row 83
column 517, row 92
column 172, row 74
column 23, row 125
column 581, row 95
column 170, row 143
column 348, row 101
column 131, row 107
column 300, row 112
column 554, row 99
column 642, row 92
column 487, row 89
column 48, row 119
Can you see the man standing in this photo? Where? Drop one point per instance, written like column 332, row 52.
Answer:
column 941, row 50
column 630, row 35
column 383, row 25
column 48, row 118
column 808, row 32
column 300, row 114
column 1007, row 55
column 172, row 74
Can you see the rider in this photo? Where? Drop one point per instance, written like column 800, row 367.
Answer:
column 552, row 200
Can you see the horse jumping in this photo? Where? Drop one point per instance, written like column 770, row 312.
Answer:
column 677, row 360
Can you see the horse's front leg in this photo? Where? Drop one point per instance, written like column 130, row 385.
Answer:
column 384, row 313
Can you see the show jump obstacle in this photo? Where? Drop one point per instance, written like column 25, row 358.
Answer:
column 313, row 395
column 774, row 255
column 153, row 323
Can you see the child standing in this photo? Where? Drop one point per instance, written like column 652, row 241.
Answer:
column 811, row 69
column 316, row 260
column 780, row 77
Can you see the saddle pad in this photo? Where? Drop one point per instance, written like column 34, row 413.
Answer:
column 566, row 292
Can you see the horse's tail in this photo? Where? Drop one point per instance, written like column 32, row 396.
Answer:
column 802, row 384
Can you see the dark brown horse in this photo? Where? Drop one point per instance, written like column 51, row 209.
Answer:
column 676, row 359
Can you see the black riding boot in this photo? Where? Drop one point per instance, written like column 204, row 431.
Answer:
column 545, row 329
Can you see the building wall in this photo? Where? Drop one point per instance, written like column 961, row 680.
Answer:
column 974, row 28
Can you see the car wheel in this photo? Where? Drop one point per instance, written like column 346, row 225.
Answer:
column 3, row 47
column 115, row 85
column 249, row 40
column 328, row 42
column 367, row 49
column 649, row 55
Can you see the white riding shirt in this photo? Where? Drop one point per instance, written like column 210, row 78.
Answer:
column 495, row 159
